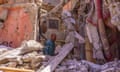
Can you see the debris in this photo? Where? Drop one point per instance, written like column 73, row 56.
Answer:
column 85, row 66
column 30, row 46
column 58, row 58
column 115, row 14
column 27, row 56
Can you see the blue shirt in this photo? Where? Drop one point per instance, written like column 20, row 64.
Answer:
column 49, row 47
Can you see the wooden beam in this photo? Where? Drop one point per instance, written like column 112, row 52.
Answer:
column 65, row 50
column 8, row 69
column 71, row 5
column 47, row 7
column 60, row 5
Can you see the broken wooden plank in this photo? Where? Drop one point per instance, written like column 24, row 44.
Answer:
column 8, row 69
column 65, row 50
column 56, row 8
column 70, row 5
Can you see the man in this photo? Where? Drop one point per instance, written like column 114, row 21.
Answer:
column 50, row 46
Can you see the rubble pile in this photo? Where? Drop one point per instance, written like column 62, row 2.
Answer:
column 71, row 66
column 4, row 49
column 28, row 56
column 28, row 61
column 85, row 66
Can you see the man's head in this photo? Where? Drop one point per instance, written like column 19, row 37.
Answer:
column 53, row 37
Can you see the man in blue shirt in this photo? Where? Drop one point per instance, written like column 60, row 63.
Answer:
column 50, row 46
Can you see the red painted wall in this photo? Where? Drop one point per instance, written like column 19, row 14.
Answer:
column 17, row 27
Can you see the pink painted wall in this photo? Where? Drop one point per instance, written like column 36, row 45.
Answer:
column 17, row 27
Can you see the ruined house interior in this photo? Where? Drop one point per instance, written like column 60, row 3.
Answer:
column 59, row 35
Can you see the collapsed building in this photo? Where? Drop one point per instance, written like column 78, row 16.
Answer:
column 87, row 32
